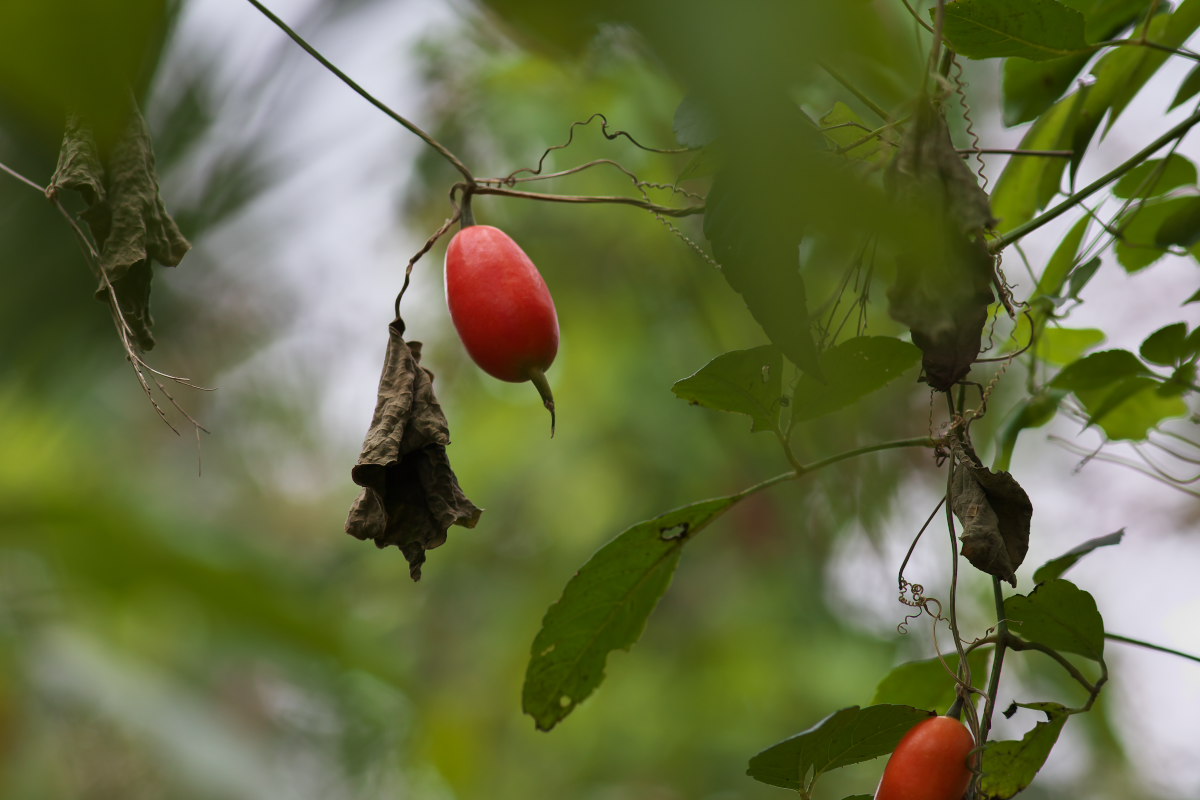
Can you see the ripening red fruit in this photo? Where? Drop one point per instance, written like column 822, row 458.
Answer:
column 930, row 763
column 501, row 308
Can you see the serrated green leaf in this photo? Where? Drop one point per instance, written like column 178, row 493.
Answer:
column 1028, row 184
column 1055, row 567
column 928, row 684
column 1156, row 177
column 1099, row 370
column 1059, row 615
column 1061, row 346
column 1131, row 408
column 1010, row 766
column 604, row 607
column 1033, row 29
column 852, row 370
column 848, row 736
column 1167, row 346
column 1031, row 87
column 742, row 381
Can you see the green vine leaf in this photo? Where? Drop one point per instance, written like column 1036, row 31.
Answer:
column 1061, row 346
column 1166, row 346
column 1156, row 177
column 852, row 369
column 1028, row 184
column 1055, row 567
column 1187, row 89
column 1132, row 407
column 1033, row 29
column 1059, row 615
column 848, row 736
column 604, row 607
column 1099, row 370
column 742, row 381
column 1010, row 766
column 929, row 683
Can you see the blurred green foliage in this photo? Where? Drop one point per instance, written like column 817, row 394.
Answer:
column 168, row 635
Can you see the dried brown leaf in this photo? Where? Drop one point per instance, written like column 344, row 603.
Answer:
column 125, row 214
column 410, row 494
column 995, row 513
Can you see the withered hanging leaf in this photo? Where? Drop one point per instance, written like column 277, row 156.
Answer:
column 124, row 211
column 995, row 513
column 943, row 282
column 410, row 495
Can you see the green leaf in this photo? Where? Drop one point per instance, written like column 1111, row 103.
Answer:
column 1099, row 370
column 1033, row 29
column 1034, row 412
column 1131, row 408
column 852, row 369
column 1192, row 299
column 928, row 684
column 1062, row 262
column 1061, row 346
column 1166, row 346
column 1059, row 615
column 1156, row 177
column 1188, row 88
column 604, row 607
column 756, row 240
column 1031, row 87
column 1010, row 766
column 693, row 124
column 1080, row 276
column 1055, row 567
column 848, row 736
column 742, row 381
column 1028, row 184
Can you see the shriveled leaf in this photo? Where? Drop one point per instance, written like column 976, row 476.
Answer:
column 1060, row 615
column 1156, row 177
column 852, row 369
column 1010, row 766
column 848, row 736
column 410, row 494
column 943, row 285
column 742, row 381
column 928, row 684
column 1166, row 346
column 1055, row 567
column 995, row 513
column 1033, row 29
column 1098, row 370
column 604, row 607
column 125, row 213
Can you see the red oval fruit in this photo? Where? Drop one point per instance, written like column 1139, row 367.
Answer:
column 930, row 763
column 501, row 308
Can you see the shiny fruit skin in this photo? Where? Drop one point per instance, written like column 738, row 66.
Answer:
column 930, row 763
column 500, row 305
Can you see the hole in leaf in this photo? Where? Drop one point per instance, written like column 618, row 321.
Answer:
column 679, row 531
